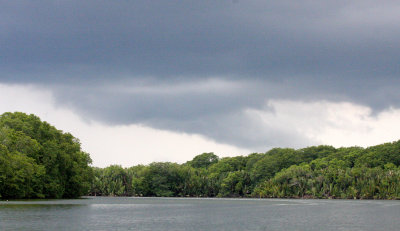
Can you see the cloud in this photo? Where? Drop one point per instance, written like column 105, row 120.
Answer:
column 334, row 50
column 215, row 107
column 126, row 145
column 260, row 39
column 280, row 123
column 332, row 123
column 206, row 67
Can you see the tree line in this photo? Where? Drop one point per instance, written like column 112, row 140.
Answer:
column 312, row 172
column 39, row 161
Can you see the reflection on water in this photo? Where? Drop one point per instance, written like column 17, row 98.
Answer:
column 106, row 213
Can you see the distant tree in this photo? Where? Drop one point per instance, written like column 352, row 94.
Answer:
column 204, row 160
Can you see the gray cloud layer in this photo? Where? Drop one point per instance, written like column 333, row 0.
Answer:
column 194, row 66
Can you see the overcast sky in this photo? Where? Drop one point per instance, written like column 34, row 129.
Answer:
column 143, row 81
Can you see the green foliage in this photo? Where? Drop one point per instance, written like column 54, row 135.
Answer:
column 235, row 184
column 312, row 172
column 204, row 160
column 37, row 160
column 20, row 176
column 334, row 179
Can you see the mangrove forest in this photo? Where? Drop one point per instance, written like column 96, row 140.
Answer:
column 39, row 161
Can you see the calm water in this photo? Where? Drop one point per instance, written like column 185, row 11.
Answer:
column 103, row 213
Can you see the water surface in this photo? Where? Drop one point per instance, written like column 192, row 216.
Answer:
column 108, row 213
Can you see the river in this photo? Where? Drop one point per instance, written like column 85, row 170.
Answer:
column 126, row 213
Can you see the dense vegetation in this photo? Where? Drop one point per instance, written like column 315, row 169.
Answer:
column 313, row 172
column 39, row 161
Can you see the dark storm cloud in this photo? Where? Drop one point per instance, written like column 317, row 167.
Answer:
column 197, row 38
column 131, row 61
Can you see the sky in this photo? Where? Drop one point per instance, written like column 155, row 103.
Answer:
column 145, row 81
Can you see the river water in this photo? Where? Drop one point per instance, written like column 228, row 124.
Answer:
column 125, row 213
